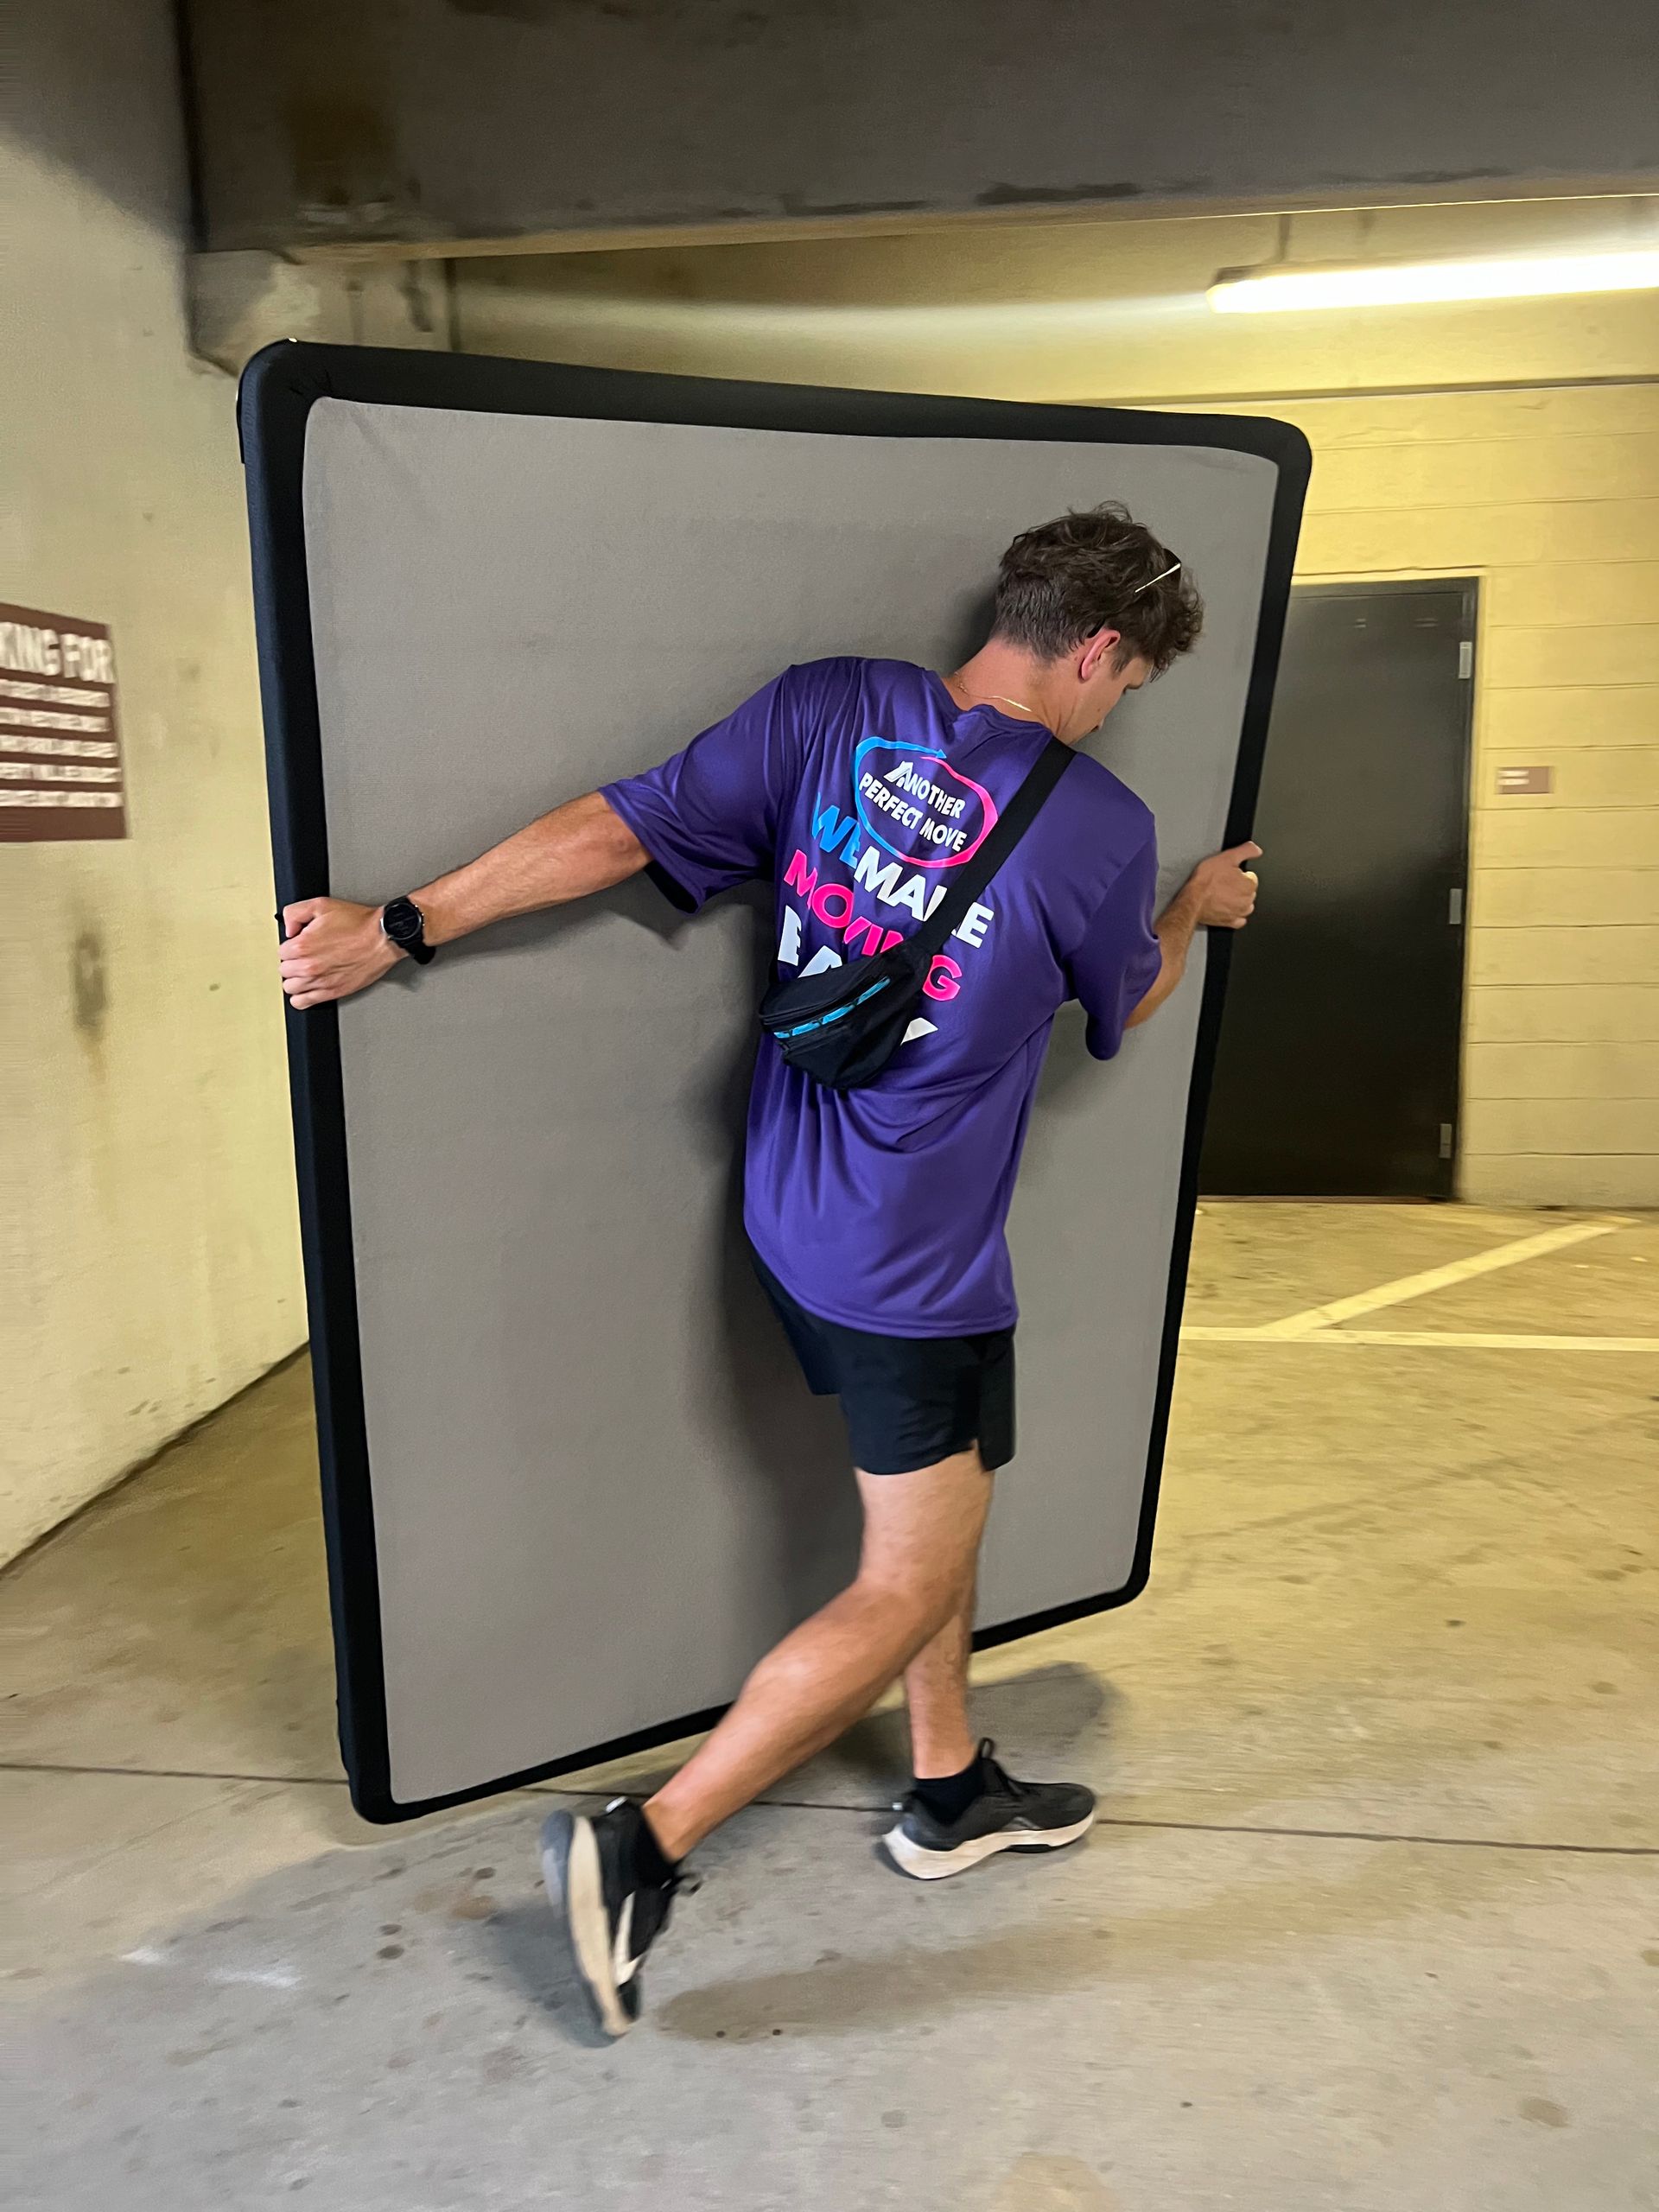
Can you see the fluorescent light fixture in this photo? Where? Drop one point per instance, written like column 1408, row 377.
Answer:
column 1403, row 283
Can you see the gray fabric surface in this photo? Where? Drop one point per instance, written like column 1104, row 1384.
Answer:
column 600, row 1489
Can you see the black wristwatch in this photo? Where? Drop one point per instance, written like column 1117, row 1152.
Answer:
column 405, row 925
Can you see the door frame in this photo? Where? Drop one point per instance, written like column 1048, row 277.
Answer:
column 1357, row 584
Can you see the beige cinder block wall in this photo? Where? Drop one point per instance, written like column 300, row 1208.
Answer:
column 1551, row 499
column 150, row 1262
column 1547, row 493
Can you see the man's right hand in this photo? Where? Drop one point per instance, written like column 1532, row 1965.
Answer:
column 1225, row 889
column 332, row 947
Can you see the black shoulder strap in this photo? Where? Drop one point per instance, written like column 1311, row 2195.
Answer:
column 966, row 882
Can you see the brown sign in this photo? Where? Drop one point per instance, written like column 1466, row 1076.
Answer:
column 1524, row 783
column 59, row 741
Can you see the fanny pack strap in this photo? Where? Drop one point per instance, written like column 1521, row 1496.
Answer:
column 967, row 881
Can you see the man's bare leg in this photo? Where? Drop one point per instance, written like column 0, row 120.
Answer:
column 936, row 1690
column 965, row 1808
column 921, row 1538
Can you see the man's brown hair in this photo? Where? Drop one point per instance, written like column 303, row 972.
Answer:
column 1094, row 569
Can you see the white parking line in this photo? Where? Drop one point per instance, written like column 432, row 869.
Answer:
column 1454, row 1340
column 1319, row 1317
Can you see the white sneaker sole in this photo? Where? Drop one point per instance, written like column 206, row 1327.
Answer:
column 570, row 1876
column 915, row 1859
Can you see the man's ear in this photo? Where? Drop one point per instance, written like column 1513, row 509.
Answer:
column 1094, row 650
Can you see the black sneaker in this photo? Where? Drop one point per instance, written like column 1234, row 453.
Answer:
column 1006, row 1815
column 610, row 1917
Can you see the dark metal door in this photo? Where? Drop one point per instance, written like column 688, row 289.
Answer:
column 1337, row 1075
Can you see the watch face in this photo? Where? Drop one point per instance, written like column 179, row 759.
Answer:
column 402, row 922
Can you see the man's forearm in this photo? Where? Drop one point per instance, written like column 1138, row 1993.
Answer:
column 580, row 848
column 333, row 947
column 1176, row 926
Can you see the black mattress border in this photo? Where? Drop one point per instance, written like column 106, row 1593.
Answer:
column 279, row 387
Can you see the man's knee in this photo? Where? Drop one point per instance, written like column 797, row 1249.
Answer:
column 924, row 1598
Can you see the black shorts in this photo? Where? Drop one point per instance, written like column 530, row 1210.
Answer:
column 909, row 1402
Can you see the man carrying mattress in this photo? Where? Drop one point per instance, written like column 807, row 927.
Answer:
column 947, row 873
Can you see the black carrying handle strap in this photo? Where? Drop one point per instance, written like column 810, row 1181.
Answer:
column 971, row 878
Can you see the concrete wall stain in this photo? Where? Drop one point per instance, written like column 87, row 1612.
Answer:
column 1021, row 195
column 344, row 159
column 791, row 204
column 89, row 985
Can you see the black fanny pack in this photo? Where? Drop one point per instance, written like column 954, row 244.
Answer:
column 843, row 1026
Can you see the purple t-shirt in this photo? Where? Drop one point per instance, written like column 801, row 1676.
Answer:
column 855, row 787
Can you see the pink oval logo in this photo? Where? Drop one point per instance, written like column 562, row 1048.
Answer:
column 916, row 806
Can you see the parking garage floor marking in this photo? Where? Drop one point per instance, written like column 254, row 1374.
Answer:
column 1455, row 1340
column 1317, row 1318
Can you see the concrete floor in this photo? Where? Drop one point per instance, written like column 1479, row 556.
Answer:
column 1372, row 1923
